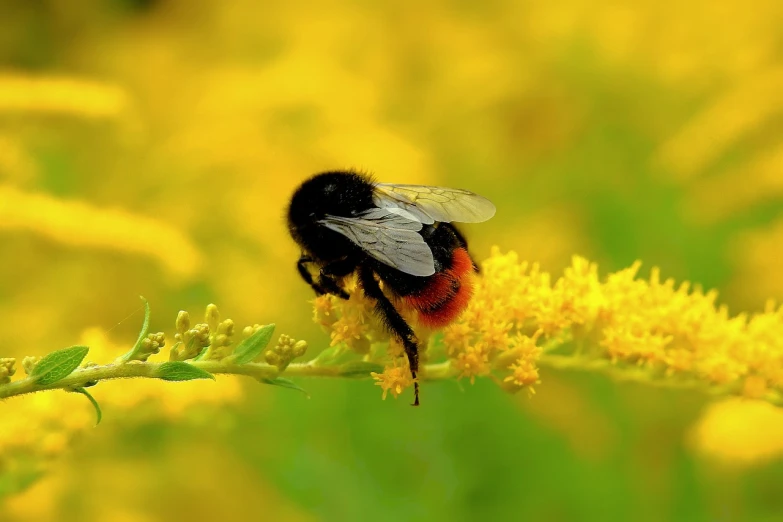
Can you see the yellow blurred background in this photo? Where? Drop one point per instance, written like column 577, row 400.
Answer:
column 150, row 146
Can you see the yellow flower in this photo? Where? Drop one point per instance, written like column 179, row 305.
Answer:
column 394, row 379
column 350, row 323
column 457, row 337
column 524, row 374
column 351, row 330
column 323, row 311
column 473, row 362
column 656, row 330
column 60, row 95
column 80, row 224
column 728, row 431
column 524, row 370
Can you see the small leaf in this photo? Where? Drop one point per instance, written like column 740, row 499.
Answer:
column 201, row 354
column 285, row 383
column 145, row 329
column 329, row 355
column 93, row 401
column 58, row 365
column 252, row 347
column 359, row 369
column 181, row 371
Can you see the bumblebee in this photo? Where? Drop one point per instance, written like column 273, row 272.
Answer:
column 345, row 223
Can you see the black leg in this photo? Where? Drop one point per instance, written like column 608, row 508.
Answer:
column 326, row 283
column 301, row 266
column 393, row 321
column 340, row 268
column 330, row 286
column 333, row 270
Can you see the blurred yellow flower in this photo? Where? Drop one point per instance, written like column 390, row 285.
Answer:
column 755, row 100
column 756, row 182
column 758, row 252
column 40, row 426
column 60, row 95
column 739, row 432
column 80, row 224
column 16, row 163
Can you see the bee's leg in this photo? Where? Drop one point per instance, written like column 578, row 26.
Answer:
column 333, row 270
column 393, row 321
column 301, row 266
column 326, row 283
column 330, row 286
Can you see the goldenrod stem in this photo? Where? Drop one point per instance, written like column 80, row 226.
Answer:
column 629, row 373
column 84, row 376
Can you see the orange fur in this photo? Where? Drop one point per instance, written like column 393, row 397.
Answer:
column 438, row 303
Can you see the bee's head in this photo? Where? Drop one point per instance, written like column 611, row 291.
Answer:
column 338, row 193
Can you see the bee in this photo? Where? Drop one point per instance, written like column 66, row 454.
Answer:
column 400, row 235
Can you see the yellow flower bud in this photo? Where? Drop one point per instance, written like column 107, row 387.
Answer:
column 247, row 331
column 299, row 348
column 272, row 358
column 226, row 327
column 201, row 333
column 212, row 317
column 28, row 363
column 8, row 364
column 183, row 322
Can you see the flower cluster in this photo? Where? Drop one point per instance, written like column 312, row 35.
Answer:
column 521, row 318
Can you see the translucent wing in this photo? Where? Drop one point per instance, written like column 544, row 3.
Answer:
column 390, row 237
column 431, row 204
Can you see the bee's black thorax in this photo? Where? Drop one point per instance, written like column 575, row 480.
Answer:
column 330, row 193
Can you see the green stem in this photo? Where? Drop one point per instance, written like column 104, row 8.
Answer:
column 642, row 375
column 93, row 374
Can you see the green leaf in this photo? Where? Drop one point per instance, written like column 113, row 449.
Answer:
column 252, row 347
column 359, row 369
column 329, row 355
column 181, row 371
column 58, row 365
column 285, row 383
column 145, row 329
column 93, row 401
column 201, row 354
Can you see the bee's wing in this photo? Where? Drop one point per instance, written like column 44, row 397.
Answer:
column 431, row 204
column 388, row 236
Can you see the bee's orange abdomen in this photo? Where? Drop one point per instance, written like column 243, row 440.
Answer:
column 446, row 294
